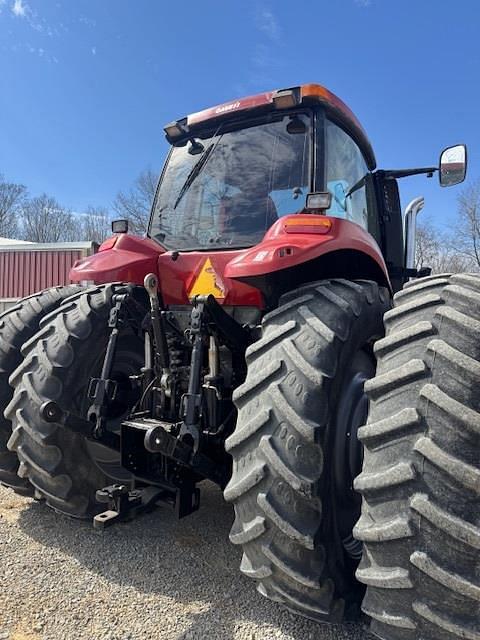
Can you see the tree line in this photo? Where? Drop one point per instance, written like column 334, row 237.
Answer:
column 43, row 218
column 457, row 248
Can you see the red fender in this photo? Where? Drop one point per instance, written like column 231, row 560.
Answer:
column 126, row 258
column 122, row 258
column 288, row 243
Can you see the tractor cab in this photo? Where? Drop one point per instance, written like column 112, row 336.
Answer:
column 235, row 170
column 262, row 195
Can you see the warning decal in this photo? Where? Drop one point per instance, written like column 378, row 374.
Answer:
column 207, row 282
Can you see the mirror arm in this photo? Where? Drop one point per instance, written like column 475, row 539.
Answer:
column 358, row 185
column 403, row 173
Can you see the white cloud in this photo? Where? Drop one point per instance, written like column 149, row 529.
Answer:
column 19, row 9
column 363, row 3
column 94, row 51
column 89, row 22
column 267, row 23
column 265, row 60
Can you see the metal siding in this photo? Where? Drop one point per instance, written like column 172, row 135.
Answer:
column 9, row 272
column 25, row 272
column 21, row 274
column 3, row 272
column 29, row 265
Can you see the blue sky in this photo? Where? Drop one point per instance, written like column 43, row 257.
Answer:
column 87, row 85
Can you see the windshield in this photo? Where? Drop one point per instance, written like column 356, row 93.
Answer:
column 227, row 188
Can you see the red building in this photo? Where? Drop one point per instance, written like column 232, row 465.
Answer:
column 27, row 267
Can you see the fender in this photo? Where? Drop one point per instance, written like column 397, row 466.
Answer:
column 121, row 258
column 288, row 244
column 127, row 258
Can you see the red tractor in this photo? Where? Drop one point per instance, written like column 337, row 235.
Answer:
column 234, row 344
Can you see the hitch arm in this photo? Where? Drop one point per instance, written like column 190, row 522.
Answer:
column 102, row 389
column 192, row 400
column 150, row 283
column 50, row 411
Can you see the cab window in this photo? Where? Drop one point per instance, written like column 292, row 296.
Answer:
column 237, row 187
column 346, row 167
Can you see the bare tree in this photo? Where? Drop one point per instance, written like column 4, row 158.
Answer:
column 12, row 197
column 95, row 224
column 427, row 244
column 45, row 220
column 134, row 205
column 438, row 251
column 467, row 238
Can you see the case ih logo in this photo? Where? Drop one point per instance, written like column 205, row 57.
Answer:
column 228, row 107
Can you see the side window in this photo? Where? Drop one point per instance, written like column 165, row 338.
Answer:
column 345, row 168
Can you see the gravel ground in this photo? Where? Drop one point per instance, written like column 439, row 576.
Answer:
column 155, row 578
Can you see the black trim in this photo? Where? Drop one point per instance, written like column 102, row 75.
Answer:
column 390, row 217
column 319, row 178
column 157, row 189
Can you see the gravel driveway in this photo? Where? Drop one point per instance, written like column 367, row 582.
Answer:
column 155, row 578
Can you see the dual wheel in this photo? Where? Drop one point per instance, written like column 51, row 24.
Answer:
column 63, row 348
column 301, row 414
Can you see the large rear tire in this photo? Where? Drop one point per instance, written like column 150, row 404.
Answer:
column 65, row 467
column 292, row 472
column 420, row 520
column 17, row 325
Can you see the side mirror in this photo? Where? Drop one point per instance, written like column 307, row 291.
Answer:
column 453, row 165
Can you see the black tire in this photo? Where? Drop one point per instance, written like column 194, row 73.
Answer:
column 64, row 467
column 17, row 325
column 285, row 454
column 420, row 483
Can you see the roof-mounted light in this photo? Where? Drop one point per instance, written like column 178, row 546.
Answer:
column 286, row 98
column 119, row 226
column 176, row 129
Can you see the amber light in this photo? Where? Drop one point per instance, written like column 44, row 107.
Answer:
column 108, row 244
column 324, row 95
column 307, row 224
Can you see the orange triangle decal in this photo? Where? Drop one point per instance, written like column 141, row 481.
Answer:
column 207, row 282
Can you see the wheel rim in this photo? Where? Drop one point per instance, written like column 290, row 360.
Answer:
column 352, row 411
